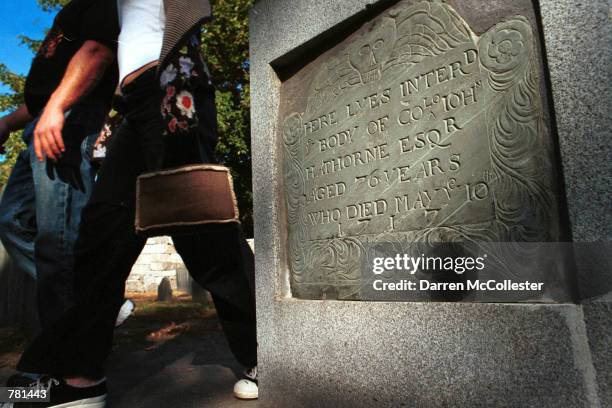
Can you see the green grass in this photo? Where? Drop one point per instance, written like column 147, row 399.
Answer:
column 152, row 324
column 181, row 308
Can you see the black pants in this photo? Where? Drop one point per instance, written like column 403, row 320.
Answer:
column 107, row 247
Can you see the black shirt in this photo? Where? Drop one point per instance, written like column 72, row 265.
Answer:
column 78, row 22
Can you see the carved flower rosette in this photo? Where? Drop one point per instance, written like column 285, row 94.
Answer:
column 414, row 130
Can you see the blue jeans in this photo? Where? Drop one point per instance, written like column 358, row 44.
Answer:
column 41, row 207
column 217, row 257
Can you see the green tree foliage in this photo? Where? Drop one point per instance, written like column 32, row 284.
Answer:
column 8, row 102
column 11, row 100
column 52, row 5
column 225, row 45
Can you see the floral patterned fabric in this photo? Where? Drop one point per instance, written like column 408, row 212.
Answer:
column 111, row 124
column 184, row 72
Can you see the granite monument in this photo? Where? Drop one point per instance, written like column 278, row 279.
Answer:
column 430, row 121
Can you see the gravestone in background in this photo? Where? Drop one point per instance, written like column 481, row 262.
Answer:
column 164, row 291
column 427, row 121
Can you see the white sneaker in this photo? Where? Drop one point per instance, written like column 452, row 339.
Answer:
column 126, row 310
column 247, row 388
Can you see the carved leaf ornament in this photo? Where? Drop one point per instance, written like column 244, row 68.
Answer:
column 473, row 100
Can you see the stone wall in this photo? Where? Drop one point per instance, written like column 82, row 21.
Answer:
column 158, row 260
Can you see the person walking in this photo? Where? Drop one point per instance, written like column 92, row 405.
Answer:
column 169, row 121
column 68, row 91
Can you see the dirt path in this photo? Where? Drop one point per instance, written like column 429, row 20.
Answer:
column 170, row 354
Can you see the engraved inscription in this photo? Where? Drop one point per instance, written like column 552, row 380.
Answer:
column 415, row 130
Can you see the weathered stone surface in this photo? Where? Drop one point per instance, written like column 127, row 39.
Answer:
column 598, row 321
column 425, row 356
column 164, row 290
column 414, row 128
column 339, row 354
column 578, row 37
column 157, row 261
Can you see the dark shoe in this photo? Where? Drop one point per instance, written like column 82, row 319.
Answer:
column 65, row 396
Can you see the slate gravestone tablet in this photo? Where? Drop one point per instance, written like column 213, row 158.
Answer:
column 416, row 129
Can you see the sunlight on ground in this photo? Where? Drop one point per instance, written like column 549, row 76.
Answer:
column 151, row 325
